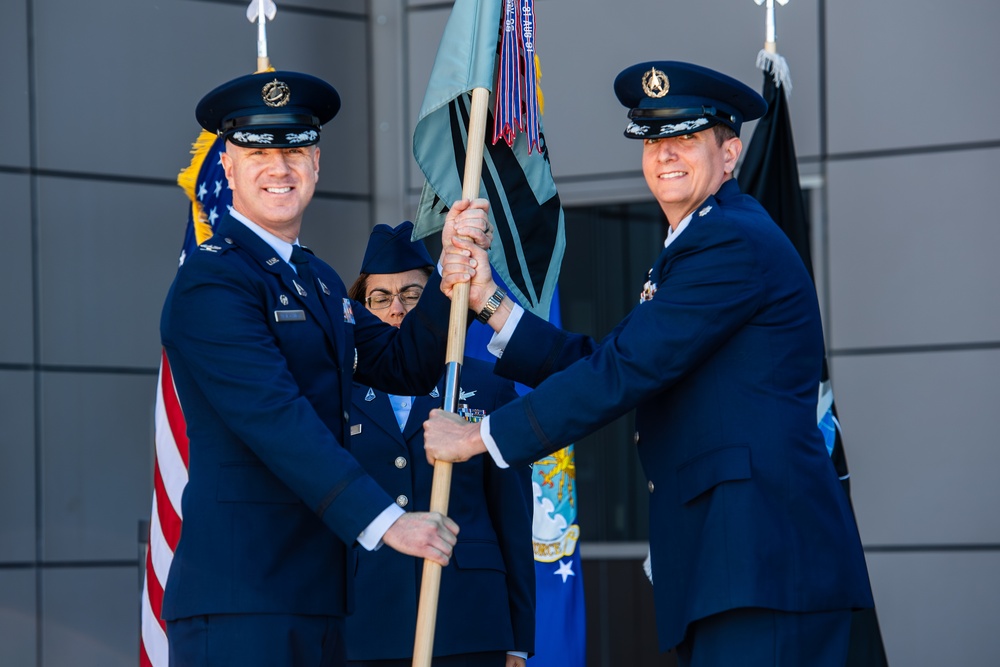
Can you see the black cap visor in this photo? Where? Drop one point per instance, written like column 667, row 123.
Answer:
column 646, row 123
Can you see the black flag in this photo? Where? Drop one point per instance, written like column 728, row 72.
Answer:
column 770, row 174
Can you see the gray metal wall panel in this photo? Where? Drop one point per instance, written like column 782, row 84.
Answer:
column 108, row 252
column 17, row 289
column 920, row 436
column 913, row 250
column 900, row 77
column 90, row 617
column 97, row 462
column 938, row 608
column 18, row 610
column 17, row 470
column 14, row 114
column 357, row 7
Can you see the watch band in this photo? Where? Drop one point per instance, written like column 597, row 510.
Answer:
column 491, row 306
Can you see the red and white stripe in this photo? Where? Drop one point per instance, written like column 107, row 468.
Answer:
column 169, row 479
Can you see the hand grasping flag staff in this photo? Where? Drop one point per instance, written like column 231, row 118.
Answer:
column 770, row 174
column 515, row 175
column 205, row 184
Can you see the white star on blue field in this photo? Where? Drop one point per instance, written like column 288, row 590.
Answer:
column 565, row 569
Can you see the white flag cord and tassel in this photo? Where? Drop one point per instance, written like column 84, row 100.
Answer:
column 768, row 59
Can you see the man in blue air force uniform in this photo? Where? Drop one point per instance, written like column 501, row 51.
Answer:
column 264, row 343
column 756, row 558
column 486, row 605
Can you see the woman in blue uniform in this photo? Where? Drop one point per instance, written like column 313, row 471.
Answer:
column 485, row 615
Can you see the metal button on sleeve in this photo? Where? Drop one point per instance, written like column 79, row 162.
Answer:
column 400, row 462
column 402, row 500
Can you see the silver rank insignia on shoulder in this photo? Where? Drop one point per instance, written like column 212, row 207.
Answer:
column 272, row 261
column 435, row 393
column 703, row 212
column 462, row 394
column 283, row 299
column 370, row 396
column 209, row 248
column 648, row 290
column 298, row 288
column 322, row 286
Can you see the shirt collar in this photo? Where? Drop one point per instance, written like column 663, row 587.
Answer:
column 279, row 245
column 674, row 233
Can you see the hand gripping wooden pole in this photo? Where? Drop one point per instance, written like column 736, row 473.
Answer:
column 430, row 583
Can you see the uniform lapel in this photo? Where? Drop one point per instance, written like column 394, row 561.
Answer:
column 378, row 410
column 422, row 405
column 310, row 296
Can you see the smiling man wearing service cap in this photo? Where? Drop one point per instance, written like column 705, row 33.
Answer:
column 263, row 343
column 756, row 558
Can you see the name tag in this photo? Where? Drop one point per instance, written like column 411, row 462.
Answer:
column 289, row 316
column 355, row 429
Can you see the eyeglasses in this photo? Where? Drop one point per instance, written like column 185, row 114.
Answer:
column 407, row 298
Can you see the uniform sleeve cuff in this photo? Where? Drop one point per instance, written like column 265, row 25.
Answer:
column 491, row 445
column 371, row 537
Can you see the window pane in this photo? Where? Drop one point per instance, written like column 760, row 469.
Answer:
column 609, row 251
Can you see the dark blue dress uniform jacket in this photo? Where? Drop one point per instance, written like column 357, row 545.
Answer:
column 722, row 366
column 487, row 595
column 274, row 498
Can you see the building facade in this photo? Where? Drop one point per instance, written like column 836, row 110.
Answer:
column 98, row 112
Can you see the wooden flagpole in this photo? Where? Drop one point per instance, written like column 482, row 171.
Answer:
column 430, row 583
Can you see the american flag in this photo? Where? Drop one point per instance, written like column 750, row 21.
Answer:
column 205, row 184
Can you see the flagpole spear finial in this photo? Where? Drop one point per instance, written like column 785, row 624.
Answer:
column 259, row 12
column 768, row 58
column 770, row 43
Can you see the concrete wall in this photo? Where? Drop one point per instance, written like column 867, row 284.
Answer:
column 890, row 108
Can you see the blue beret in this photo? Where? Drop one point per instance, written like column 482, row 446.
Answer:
column 269, row 109
column 667, row 98
column 391, row 250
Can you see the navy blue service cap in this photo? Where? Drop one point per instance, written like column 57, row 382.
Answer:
column 269, row 109
column 390, row 250
column 667, row 98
